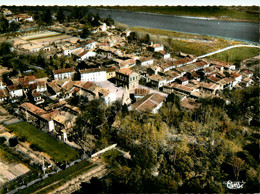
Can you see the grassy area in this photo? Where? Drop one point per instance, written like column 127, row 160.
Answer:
column 188, row 43
column 59, row 178
column 246, row 13
column 57, row 150
column 236, row 55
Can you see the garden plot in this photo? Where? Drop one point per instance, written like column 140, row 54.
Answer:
column 11, row 171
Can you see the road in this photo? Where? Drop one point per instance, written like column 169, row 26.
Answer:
column 227, row 48
column 36, row 67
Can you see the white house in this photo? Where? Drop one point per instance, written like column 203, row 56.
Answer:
column 37, row 97
column 157, row 80
column 15, row 90
column 93, row 74
column 41, row 86
column 109, row 97
column 156, row 47
column 146, row 61
column 63, row 73
column 73, row 50
column 237, row 78
column 29, row 19
column 86, row 54
column 90, row 44
column 104, row 27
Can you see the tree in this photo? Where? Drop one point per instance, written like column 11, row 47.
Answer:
column 60, row 16
column 132, row 37
column 237, row 164
column 96, row 22
column 147, row 39
column 85, row 33
column 47, row 18
column 3, row 24
column 174, row 99
column 5, row 48
column 109, row 21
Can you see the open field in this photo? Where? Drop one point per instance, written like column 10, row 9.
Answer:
column 245, row 13
column 57, row 150
column 236, row 55
column 187, row 43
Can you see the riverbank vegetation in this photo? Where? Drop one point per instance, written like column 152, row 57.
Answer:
column 184, row 42
column 244, row 13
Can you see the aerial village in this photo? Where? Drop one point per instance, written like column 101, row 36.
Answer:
column 140, row 76
column 110, row 67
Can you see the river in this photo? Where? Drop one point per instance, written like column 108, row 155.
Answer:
column 245, row 31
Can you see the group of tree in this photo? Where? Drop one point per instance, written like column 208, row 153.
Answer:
column 6, row 26
column 175, row 150
column 21, row 62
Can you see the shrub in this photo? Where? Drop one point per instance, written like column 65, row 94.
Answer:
column 35, row 147
column 2, row 140
column 13, row 141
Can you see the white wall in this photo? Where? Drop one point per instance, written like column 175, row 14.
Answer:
column 51, row 126
column 63, row 75
column 94, row 76
column 110, row 98
column 16, row 93
column 147, row 63
column 155, row 110
column 88, row 55
column 160, row 48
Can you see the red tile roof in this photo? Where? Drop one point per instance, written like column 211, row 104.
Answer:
column 92, row 70
column 14, row 87
column 4, row 93
column 126, row 71
column 59, row 71
column 111, row 69
column 148, row 103
column 182, row 61
column 141, row 91
column 54, row 86
column 27, row 79
column 190, row 104
column 83, row 53
column 33, row 109
column 36, row 94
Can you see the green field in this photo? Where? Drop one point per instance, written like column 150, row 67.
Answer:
column 245, row 13
column 236, row 55
column 57, row 150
